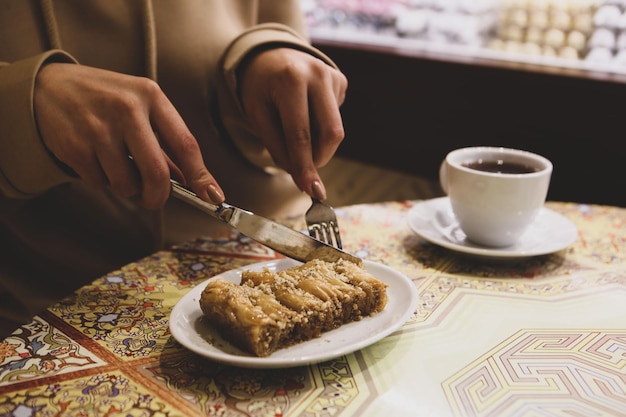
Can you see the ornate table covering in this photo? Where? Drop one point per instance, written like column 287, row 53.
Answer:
column 532, row 336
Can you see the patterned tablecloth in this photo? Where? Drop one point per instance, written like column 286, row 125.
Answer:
column 541, row 336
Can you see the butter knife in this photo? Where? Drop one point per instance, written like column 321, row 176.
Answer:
column 276, row 236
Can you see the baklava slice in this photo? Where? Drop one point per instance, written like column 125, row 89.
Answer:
column 271, row 310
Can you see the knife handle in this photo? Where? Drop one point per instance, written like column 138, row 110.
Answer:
column 183, row 193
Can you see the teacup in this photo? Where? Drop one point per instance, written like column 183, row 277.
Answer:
column 495, row 192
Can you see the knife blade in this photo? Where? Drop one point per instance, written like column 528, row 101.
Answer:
column 274, row 235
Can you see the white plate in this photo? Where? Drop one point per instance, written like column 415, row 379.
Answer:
column 434, row 221
column 190, row 329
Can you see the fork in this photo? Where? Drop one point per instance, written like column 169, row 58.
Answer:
column 322, row 224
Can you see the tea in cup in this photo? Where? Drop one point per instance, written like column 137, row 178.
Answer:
column 495, row 192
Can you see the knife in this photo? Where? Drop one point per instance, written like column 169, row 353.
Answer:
column 279, row 237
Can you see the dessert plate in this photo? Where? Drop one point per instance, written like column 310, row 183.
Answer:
column 190, row 328
column 434, row 221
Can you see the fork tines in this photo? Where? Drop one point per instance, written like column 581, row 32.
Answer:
column 322, row 223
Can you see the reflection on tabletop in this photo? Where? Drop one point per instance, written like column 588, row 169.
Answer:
column 491, row 336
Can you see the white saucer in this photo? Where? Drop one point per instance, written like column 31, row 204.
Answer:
column 434, row 221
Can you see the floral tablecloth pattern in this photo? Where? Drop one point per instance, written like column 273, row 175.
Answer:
column 535, row 336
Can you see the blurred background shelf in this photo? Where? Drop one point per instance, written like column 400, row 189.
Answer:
column 469, row 54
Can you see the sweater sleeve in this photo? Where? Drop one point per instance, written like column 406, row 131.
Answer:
column 26, row 166
column 232, row 116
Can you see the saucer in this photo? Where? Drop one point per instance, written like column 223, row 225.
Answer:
column 434, row 221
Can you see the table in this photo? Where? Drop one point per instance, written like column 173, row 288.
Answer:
column 528, row 337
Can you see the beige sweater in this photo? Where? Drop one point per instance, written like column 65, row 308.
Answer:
column 55, row 234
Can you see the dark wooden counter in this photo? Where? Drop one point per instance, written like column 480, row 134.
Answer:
column 406, row 111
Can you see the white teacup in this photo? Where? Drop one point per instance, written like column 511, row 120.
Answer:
column 495, row 193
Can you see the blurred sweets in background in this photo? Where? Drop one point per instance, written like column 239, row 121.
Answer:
column 467, row 22
column 607, row 43
column 361, row 15
column 589, row 32
column 551, row 28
